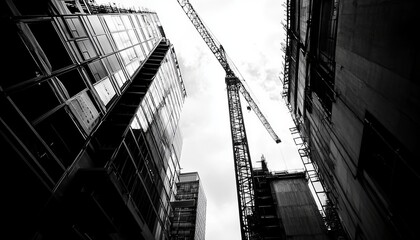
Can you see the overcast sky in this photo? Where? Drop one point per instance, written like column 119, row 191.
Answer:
column 251, row 34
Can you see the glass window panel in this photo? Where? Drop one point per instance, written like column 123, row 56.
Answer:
column 140, row 20
column 105, row 90
column 135, row 22
column 153, row 30
column 146, row 111
column 151, row 45
column 96, row 25
column 146, row 48
column 97, row 70
column 120, row 78
column 147, row 33
column 130, row 70
column 85, row 111
column 126, row 21
column 29, row 7
column 125, row 39
column 20, row 57
column 146, row 20
column 133, row 36
column 30, row 102
column 118, row 41
column 132, row 54
column 107, row 64
column 157, row 96
column 111, row 63
column 125, row 57
column 164, row 116
column 60, row 133
column 105, row 44
column 86, row 48
column 114, row 64
column 141, row 35
column 142, row 119
column 71, row 83
column 128, row 55
column 110, row 23
column 122, row 40
column 51, row 44
column 118, row 23
column 135, row 124
column 76, row 28
column 132, row 67
column 147, row 102
column 76, row 51
column 139, row 52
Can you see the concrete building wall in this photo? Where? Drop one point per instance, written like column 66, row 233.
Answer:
column 375, row 72
column 377, row 64
column 297, row 209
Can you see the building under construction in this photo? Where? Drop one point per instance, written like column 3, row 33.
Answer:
column 285, row 206
column 188, row 217
column 351, row 82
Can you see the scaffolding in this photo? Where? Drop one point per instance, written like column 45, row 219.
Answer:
column 316, row 181
column 301, row 142
column 286, row 50
column 311, row 168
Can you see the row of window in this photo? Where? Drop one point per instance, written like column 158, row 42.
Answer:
column 74, row 99
column 75, row 68
column 159, row 112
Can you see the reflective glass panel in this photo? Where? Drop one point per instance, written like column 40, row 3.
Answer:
column 105, row 90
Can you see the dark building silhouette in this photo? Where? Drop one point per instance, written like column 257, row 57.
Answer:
column 89, row 115
column 351, row 82
column 285, row 206
column 189, row 209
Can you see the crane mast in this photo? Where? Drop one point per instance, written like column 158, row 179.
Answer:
column 242, row 159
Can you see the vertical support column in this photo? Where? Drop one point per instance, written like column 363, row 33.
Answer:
column 242, row 159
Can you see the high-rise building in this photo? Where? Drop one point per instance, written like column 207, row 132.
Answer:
column 90, row 102
column 352, row 85
column 189, row 209
column 285, row 206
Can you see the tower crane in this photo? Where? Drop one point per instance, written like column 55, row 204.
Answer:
column 242, row 159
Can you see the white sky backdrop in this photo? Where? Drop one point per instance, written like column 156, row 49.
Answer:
column 251, row 33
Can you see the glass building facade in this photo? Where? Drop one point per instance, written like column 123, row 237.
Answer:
column 189, row 215
column 90, row 104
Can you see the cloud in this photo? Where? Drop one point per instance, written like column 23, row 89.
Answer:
column 225, row 223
